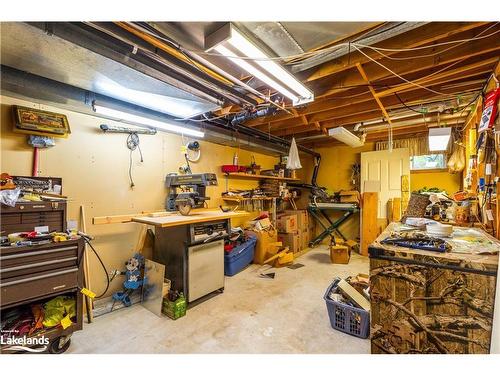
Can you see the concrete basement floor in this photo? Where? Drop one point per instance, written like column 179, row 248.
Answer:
column 253, row 315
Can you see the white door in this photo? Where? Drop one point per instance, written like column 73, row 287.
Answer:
column 384, row 169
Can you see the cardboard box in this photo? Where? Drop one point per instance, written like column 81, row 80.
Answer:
column 302, row 218
column 304, row 239
column 265, row 246
column 287, row 223
column 340, row 254
column 259, row 225
column 291, row 240
column 312, row 229
column 349, row 196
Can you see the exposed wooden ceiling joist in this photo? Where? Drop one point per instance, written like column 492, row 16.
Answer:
column 431, row 72
column 421, row 36
column 431, row 65
column 350, row 113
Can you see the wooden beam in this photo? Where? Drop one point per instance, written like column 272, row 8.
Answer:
column 415, row 38
column 296, row 130
column 319, row 110
column 429, row 68
column 411, row 98
column 347, row 119
column 115, row 219
column 439, row 77
column 375, row 96
column 369, row 227
column 424, row 66
column 405, row 67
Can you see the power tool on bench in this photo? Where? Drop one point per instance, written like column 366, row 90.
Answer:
column 187, row 191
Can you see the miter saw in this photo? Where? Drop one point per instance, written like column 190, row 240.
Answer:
column 188, row 191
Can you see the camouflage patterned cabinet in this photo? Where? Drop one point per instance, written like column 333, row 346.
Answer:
column 430, row 302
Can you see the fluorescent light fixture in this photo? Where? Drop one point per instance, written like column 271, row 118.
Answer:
column 439, row 138
column 256, row 72
column 177, row 107
column 345, row 136
column 278, row 78
column 140, row 120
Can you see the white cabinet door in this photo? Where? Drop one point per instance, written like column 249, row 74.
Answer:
column 205, row 269
column 386, row 168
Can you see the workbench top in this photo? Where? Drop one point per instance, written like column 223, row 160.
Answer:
column 471, row 248
column 196, row 216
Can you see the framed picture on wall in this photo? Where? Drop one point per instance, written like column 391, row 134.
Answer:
column 37, row 122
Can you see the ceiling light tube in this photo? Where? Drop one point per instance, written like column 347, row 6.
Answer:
column 242, row 44
column 140, row 120
column 345, row 136
column 272, row 73
column 439, row 138
column 256, row 73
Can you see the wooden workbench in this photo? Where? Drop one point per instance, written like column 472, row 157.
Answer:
column 175, row 219
column 431, row 302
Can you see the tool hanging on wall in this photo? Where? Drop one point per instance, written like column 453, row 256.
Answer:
column 39, row 142
column 132, row 141
column 192, row 153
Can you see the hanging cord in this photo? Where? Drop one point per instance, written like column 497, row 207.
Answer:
column 132, row 144
column 108, row 280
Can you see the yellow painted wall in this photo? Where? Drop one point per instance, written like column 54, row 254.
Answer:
column 335, row 174
column 449, row 182
column 94, row 168
column 336, row 162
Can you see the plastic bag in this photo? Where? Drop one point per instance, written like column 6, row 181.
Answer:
column 293, row 157
column 456, row 163
column 9, row 197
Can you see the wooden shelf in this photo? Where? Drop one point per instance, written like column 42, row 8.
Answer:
column 260, row 177
column 239, row 199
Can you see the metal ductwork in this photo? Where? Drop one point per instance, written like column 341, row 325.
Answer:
column 115, row 43
column 28, row 86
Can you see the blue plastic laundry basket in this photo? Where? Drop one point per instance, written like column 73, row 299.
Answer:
column 346, row 318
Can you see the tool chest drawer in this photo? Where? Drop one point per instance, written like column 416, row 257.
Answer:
column 34, row 207
column 26, row 260
column 21, row 288
column 25, row 216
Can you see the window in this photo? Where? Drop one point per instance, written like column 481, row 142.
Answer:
column 423, row 162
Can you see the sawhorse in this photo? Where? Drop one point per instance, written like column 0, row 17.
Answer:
column 320, row 212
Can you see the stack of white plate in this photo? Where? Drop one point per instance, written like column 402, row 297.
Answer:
column 439, row 230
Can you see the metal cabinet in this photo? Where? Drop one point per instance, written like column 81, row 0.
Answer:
column 37, row 273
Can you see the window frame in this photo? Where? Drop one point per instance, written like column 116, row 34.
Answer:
column 427, row 170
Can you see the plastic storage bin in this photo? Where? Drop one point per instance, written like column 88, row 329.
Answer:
column 345, row 318
column 240, row 257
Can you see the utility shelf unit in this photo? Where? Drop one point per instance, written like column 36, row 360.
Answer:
column 260, row 177
column 260, row 200
column 239, row 199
